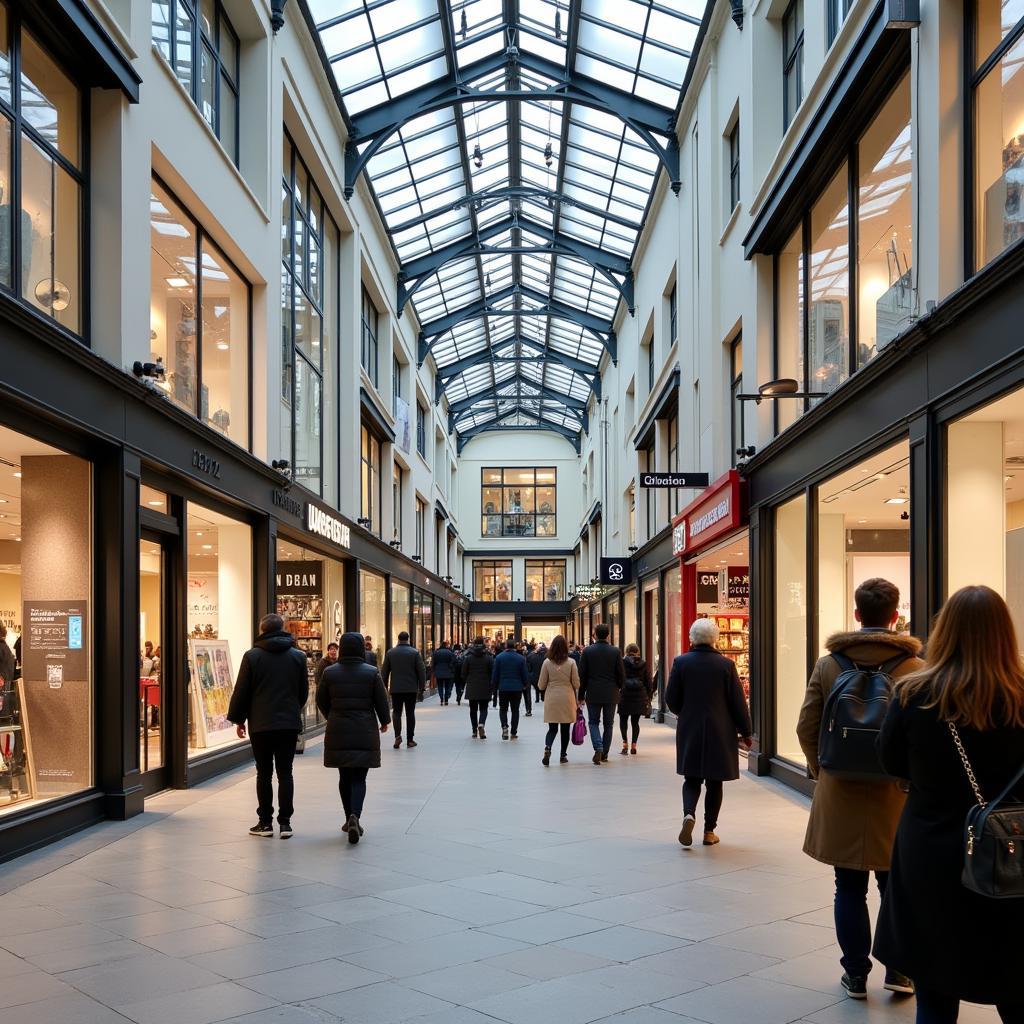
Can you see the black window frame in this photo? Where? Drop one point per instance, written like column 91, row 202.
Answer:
column 736, row 424
column 397, row 495
column 511, row 529
column 792, row 60
column 650, row 365
column 494, row 565
column 202, row 42
column 369, row 343
column 396, row 383
column 734, row 165
column 370, row 503
column 421, row 430
column 672, row 432
column 838, row 11
column 673, row 314
column 421, row 527
column 651, row 511
column 23, row 128
column 545, row 565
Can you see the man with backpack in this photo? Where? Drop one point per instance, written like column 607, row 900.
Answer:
column 856, row 806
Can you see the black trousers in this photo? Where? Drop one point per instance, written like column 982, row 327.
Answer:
column 352, row 787
column 632, row 718
column 406, row 702
column 553, row 729
column 477, row 713
column 528, row 699
column 275, row 748
column 712, row 799
column 853, row 922
column 935, row 1008
column 505, row 700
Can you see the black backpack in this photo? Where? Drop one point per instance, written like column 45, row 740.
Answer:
column 635, row 682
column 853, row 716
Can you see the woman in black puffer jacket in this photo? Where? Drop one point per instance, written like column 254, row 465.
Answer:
column 351, row 696
column 636, row 695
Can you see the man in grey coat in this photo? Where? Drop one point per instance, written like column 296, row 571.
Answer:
column 405, row 676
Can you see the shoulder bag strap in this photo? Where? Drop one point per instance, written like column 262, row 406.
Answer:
column 982, row 803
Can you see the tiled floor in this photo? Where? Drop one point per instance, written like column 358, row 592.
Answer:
column 487, row 888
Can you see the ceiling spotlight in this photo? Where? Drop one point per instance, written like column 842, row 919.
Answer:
column 478, row 156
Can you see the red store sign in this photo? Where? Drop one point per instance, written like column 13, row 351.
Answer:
column 720, row 510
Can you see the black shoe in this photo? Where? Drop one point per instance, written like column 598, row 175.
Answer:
column 856, row 988
column 604, row 755
column 286, row 830
column 354, row 831
column 504, row 732
column 262, row 830
column 899, row 983
column 483, row 735
column 529, row 714
column 547, row 757
column 412, row 743
column 563, row 759
column 398, row 742
column 597, row 757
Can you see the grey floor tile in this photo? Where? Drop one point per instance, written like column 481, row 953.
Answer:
column 750, row 1000
column 11, row 964
column 194, row 941
column 566, row 1000
column 541, row 929
column 781, row 939
column 412, row 926
column 645, row 1015
column 199, row 1006
column 402, row 960
column 157, row 922
column 385, row 1003
column 467, row 982
column 705, row 962
column 138, row 977
column 543, row 963
column 622, row 943
column 308, row 981
column 70, row 1009
column 30, row 987
column 59, row 961
column 70, row 936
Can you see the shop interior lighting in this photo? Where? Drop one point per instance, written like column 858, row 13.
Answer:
column 896, row 501
column 17, row 473
column 207, row 547
column 176, row 282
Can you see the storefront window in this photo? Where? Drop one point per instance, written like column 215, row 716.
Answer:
column 310, row 593
column 613, row 616
column 545, row 579
column 830, row 285
column 789, row 339
column 218, row 620
column 46, row 616
column 518, row 502
column 673, row 615
column 985, row 502
column 723, row 594
column 650, row 646
column 629, row 617
column 199, row 321
column 790, row 622
column 372, row 603
column 401, row 607
column 492, row 580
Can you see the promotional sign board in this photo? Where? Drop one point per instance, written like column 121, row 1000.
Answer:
column 616, row 571
column 719, row 511
column 707, row 587
column 53, row 647
column 739, row 583
column 674, row 479
column 299, row 579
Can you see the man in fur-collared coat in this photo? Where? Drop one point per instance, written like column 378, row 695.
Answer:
column 853, row 822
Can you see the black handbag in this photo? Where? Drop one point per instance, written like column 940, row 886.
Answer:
column 993, row 838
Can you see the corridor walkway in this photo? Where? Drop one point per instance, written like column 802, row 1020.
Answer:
column 487, row 888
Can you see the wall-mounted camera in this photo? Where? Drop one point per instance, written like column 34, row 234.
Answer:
column 284, row 467
column 152, row 375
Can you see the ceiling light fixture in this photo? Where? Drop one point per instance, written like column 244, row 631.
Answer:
column 156, row 504
column 176, row 282
column 896, row 501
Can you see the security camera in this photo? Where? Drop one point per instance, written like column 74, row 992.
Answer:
column 747, row 453
column 281, row 465
column 154, row 371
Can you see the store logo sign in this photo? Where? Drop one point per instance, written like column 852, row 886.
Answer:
column 325, row 525
column 283, row 500
column 713, row 515
column 679, row 538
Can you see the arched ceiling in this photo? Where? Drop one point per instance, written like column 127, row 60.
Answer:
column 512, row 146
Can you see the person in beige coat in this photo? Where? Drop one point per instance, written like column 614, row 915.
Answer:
column 853, row 822
column 559, row 681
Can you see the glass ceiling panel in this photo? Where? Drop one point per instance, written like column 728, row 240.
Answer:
column 431, row 172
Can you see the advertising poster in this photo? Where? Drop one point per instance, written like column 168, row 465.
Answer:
column 201, row 607
column 707, row 587
column 739, row 583
column 212, row 684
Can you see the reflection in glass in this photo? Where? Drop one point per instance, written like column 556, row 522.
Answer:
column 789, row 339
column 400, row 609
column 790, row 622
column 50, row 101
column 308, row 418
column 492, row 580
column 830, row 285
column 994, row 20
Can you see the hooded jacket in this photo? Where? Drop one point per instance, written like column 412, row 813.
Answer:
column 477, row 666
column 272, row 685
column 853, row 821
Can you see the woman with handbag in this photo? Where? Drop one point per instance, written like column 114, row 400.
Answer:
column 635, row 698
column 559, row 681
column 956, row 733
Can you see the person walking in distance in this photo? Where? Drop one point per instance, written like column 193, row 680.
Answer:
column 325, row 662
column 477, row 674
column 637, row 693
column 705, row 695
column 524, row 649
column 352, row 697
column 509, row 679
column 371, row 654
column 460, row 683
column 534, row 660
column 853, row 821
column 602, row 676
column 955, row 732
column 559, row 682
column 405, row 677
column 442, row 667
column 269, row 695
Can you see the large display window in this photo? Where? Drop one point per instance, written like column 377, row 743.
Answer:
column 218, row 620
column 372, row 608
column 401, row 610
column 790, row 623
column 985, row 501
column 46, row 610
column 650, row 645
column 723, row 594
column 629, row 617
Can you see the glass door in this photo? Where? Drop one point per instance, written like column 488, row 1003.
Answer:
column 153, row 724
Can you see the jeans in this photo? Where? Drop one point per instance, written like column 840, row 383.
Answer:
column 553, row 729
column 712, row 799
column 444, row 688
column 935, row 1008
column 270, row 749
column 595, row 714
column 504, row 700
column 634, row 719
column 853, row 923
column 477, row 713
column 404, row 702
column 352, row 787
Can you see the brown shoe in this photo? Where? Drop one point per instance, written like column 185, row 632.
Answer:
column 625, row 749
column 686, row 832
column 597, row 757
column 398, row 742
column 710, row 839
column 412, row 743
column 354, row 831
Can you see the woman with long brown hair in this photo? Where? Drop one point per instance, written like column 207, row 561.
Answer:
column 559, row 681
column 954, row 943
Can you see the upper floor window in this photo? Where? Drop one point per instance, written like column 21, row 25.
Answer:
column 545, row 579
column 196, row 34
column 734, row 166
column 735, row 390
column 199, row 320
column 651, row 496
column 792, row 60
column 835, row 16
column 650, row 365
column 518, row 502
column 492, row 580
column 631, row 501
column 673, row 459
column 369, row 479
column 396, row 384
column 998, row 112
column 41, row 136
column 421, row 430
column 822, row 340
column 396, row 500
column 368, row 350
column 673, row 314
column 421, row 526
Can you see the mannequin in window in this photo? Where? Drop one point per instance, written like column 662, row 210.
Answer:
column 503, row 594
column 28, row 238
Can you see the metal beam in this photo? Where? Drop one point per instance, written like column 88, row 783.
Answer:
column 373, row 127
column 446, row 374
column 546, row 425
column 545, row 394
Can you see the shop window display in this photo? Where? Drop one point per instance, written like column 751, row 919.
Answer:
column 46, row 609
column 152, row 581
column 218, row 619
column 723, row 594
column 372, row 600
column 401, row 610
column 790, row 623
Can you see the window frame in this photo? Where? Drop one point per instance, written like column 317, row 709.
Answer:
column 370, row 503
column 397, row 494
column 421, row 527
column 369, row 337
column 503, row 487
column 421, row 430
column 734, row 165
column 494, row 565
column 396, row 383
column 651, row 511
column 735, row 389
column 838, row 12
column 545, row 565
column 792, row 62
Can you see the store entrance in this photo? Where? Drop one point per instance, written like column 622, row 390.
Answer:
column 155, row 712
column 541, row 632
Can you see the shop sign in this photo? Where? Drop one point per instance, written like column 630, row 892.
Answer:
column 674, row 480
column 679, row 538
column 323, row 524
column 53, row 646
column 299, row 579
column 616, row 571
column 205, row 463
column 283, row 500
column 707, row 588
column 738, row 583
column 714, row 514
column 589, row 591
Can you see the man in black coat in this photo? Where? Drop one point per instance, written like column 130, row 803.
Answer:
column 442, row 667
column 705, row 694
column 405, row 676
column 325, row 662
column 534, row 660
column 602, row 676
column 269, row 695
column 477, row 674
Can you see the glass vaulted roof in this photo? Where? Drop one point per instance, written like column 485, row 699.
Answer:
column 512, row 146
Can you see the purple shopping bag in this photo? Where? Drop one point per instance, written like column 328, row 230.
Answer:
column 579, row 730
